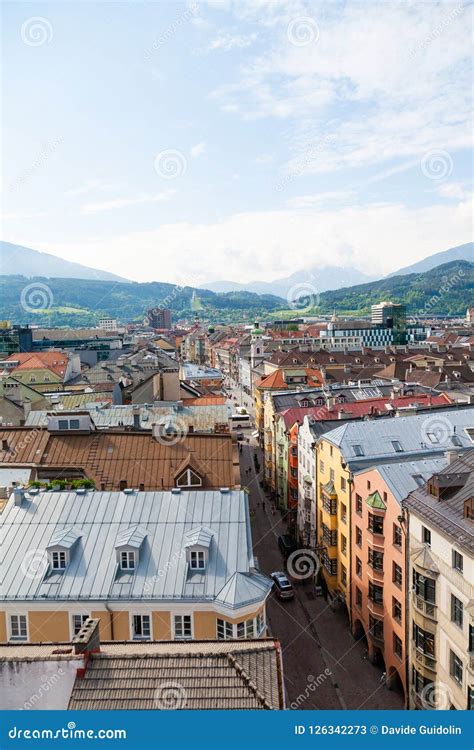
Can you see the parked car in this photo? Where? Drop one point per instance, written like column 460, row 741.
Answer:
column 282, row 586
column 287, row 544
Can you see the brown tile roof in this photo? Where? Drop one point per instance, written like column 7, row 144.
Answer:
column 191, row 678
column 107, row 458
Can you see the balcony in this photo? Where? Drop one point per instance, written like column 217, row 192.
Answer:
column 376, row 540
column 424, row 660
column 427, row 609
column 376, row 608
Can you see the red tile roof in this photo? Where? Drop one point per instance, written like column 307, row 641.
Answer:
column 54, row 361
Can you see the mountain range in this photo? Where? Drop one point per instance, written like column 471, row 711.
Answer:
column 23, row 261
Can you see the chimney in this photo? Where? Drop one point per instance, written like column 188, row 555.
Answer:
column 136, row 417
column 4, row 444
column 19, row 495
column 87, row 640
column 330, row 402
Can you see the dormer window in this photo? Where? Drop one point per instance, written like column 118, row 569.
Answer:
column 197, row 559
column 189, row 478
column 59, row 560
column 127, row 560
column 128, row 545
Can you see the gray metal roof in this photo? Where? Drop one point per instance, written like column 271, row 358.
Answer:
column 404, row 477
column 375, row 437
column 202, row 418
column 162, row 571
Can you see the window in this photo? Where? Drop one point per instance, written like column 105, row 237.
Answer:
column 359, row 567
column 368, row 484
column 396, row 609
column 397, row 535
column 376, row 627
column 189, row 478
column 63, row 424
column 343, row 575
column 74, row 424
column 58, row 560
column 375, row 524
column 358, row 597
column 456, row 610
column 426, row 535
column 343, row 544
column 358, row 536
column 140, row 627
column 359, row 504
column 331, row 475
column 455, row 667
column 197, row 560
column 357, row 450
column 375, row 559
column 420, row 682
column 458, row 561
column 397, row 646
column 245, row 629
column 375, row 593
column 397, row 575
column 18, row 628
column 77, row 623
column 397, row 446
column 471, row 639
column 127, row 560
column 343, row 513
column 424, row 587
column 424, row 641
column 225, row 630
column 321, row 466
column 182, row 627
column 260, row 623
column 343, row 483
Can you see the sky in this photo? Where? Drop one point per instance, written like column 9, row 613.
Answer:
column 197, row 141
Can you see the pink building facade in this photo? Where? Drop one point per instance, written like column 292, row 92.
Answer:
column 378, row 579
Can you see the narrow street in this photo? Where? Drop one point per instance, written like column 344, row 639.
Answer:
column 325, row 668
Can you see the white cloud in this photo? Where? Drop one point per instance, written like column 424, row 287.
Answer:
column 335, row 197
column 226, row 42
column 264, row 245
column 198, row 149
column 383, row 81
column 453, row 190
column 143, row 198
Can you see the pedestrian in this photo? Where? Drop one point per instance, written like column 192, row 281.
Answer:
column 263, row 505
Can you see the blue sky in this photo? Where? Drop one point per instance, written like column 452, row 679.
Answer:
column 189, row 142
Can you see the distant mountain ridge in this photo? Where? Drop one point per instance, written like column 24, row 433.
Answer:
column 321, row 278
column 461, row 252
column 23, row 261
